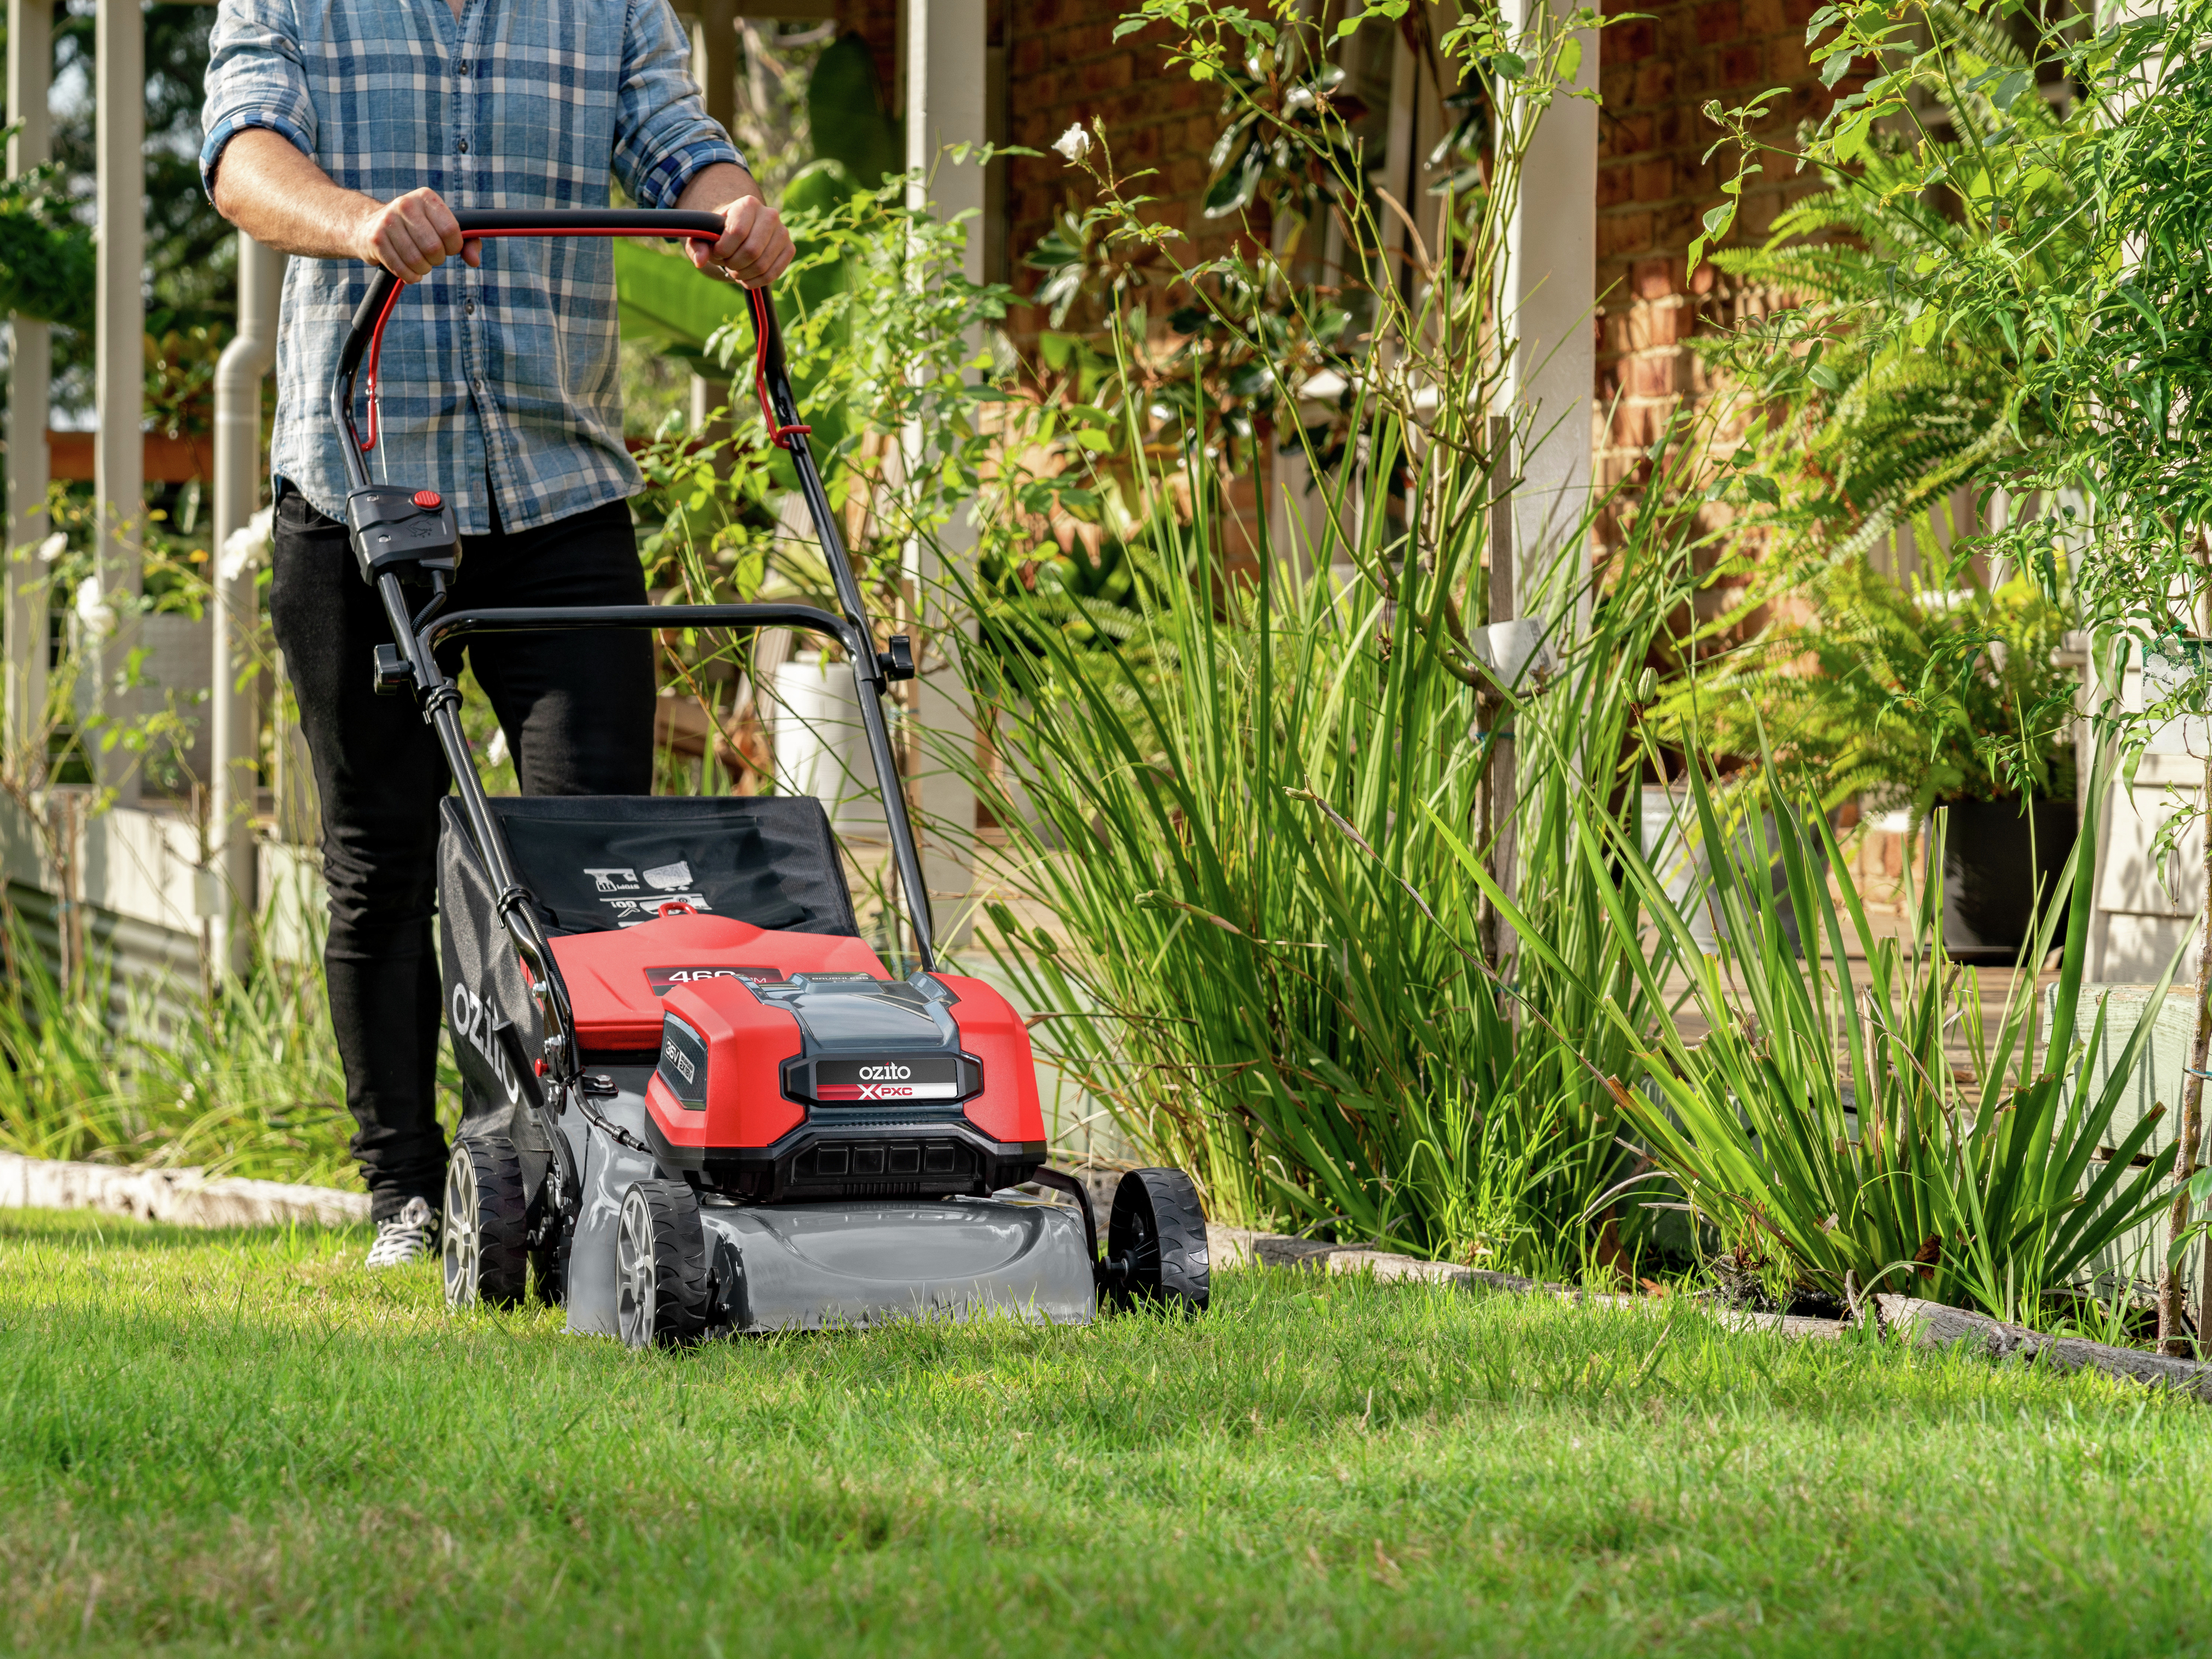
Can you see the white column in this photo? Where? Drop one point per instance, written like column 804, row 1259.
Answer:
column 234, row 719
column 1551, row 289
column 945, row 42
column 119, row 369
column 30, row 79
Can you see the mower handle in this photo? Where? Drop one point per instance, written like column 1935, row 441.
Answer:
column 419, row 635
column 771, row 373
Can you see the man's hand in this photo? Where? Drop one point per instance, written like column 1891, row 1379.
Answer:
column 412, row 235
column 754, row 248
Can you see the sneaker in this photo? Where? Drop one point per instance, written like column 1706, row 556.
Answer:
column 407, row 1237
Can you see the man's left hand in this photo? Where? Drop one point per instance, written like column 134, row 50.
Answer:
column 754, row 248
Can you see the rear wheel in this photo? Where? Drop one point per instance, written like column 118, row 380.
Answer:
column 485, row 1248
column 1156, row 1242
column 660, row 1266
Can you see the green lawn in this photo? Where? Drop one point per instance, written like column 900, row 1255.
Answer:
column 243, row 1441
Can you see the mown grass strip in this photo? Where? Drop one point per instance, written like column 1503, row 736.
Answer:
column 245, row 1441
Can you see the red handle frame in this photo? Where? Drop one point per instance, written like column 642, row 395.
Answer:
column 684, row 226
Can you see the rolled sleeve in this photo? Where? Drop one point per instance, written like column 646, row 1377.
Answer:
column 254, row 79
column 663, row 135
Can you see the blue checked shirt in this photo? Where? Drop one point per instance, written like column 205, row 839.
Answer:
column 509, row 372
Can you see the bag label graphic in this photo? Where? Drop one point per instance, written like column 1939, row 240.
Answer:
column 636, row 897
column 886, row 1080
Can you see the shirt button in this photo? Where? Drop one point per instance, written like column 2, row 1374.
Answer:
column 469, row 307
column 464, row 147
column 465, row 66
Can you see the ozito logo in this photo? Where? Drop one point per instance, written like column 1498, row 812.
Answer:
column 664, row 980
column 886, row 1082
column 471, row 1017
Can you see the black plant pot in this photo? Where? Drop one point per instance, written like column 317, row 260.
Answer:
column 1995, row 855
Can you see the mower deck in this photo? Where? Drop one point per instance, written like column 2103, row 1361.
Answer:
column 838, row 1263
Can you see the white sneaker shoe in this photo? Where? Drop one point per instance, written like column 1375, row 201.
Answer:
column 408, row 1236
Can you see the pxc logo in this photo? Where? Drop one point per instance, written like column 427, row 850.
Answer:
column 885, row 1073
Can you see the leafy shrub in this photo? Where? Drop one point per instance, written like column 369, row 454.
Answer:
column 1904, row 696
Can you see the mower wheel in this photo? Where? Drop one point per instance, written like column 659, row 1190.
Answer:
column 486, row 1242
column 1156, row 1242
column 660, row 1266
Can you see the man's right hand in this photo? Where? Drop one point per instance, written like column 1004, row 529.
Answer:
column 411, row 236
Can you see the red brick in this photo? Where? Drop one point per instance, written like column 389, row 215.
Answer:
column 1026, row 58
column 1655, row 181
column 1632, row 133
column 1656, row 377
column 1628, row 233
column 1739, row 66
column 1654, row 83
column 1626, row 43
column 1615, row 187
column 1653, row 279
column 1718, row 20
column 1787, row 59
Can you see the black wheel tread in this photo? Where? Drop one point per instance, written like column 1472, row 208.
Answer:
column 1175, row 1269
column 679, row 1261
column 501, row 1221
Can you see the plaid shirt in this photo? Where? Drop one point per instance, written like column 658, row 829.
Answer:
column 509, row 372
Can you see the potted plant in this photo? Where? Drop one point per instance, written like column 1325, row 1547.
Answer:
column 1918, row 699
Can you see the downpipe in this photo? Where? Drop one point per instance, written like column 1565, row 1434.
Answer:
column 232, row 715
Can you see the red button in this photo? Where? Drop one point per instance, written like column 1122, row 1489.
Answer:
column 428, row 498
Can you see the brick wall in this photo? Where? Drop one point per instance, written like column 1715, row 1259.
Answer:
column 1656, row 73
column 1063, row 65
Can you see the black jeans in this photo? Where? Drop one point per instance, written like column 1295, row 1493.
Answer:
column 577, row 709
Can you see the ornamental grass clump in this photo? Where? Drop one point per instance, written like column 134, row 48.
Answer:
column 1824, row 1130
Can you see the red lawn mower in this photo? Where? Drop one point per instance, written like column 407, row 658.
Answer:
column 695, row 1101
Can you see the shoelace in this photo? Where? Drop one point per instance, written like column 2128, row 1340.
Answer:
column 403, row 1236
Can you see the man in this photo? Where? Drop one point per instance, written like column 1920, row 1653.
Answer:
column 345, row 132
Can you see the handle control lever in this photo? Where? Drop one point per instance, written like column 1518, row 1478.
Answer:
column 897, row 663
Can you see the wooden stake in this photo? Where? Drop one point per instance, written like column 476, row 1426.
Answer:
column 1499, row 793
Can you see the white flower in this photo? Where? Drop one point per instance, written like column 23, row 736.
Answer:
column 52, row 547
column 245, row 546
column 1074, row 143
column 496, row 751
column 92, row 610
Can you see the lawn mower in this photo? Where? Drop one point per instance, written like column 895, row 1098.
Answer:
column 695, row 1100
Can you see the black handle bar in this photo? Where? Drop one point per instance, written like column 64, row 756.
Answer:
column 566, row 619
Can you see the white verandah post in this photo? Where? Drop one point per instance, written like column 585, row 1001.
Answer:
column 30, row 81
column 119, row 368
column 945, row 44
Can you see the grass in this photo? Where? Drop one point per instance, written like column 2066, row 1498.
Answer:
column 243, row 1441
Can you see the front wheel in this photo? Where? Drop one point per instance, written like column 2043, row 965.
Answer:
column 486, row 1245
column 1156, row 1242
column 660, row 1266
